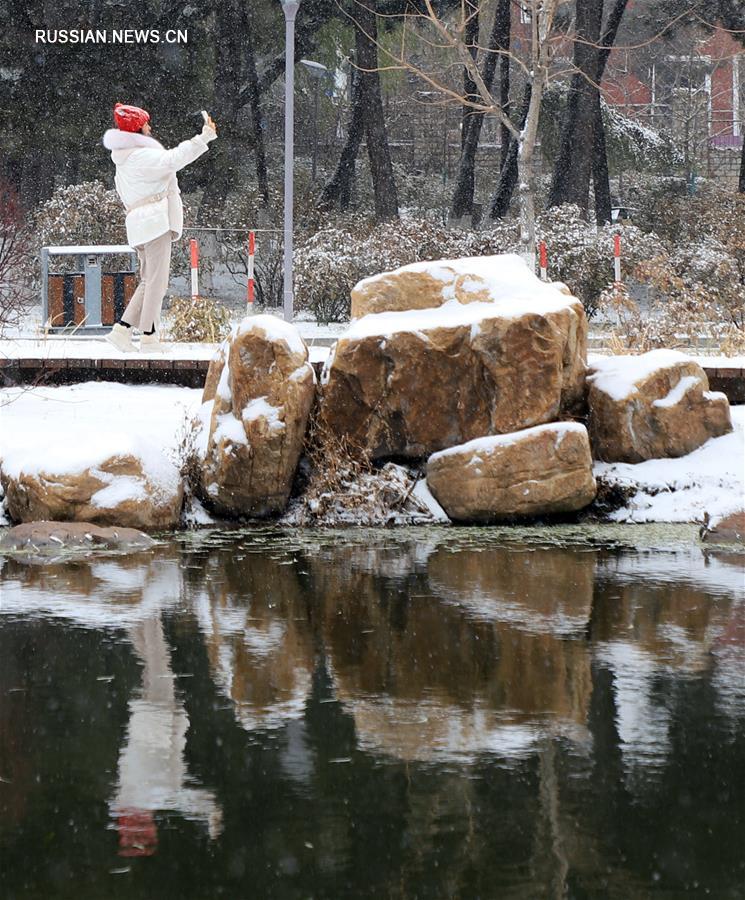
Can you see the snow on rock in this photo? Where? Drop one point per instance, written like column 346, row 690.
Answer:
column 652, row 406
column 538, row 471
column 412, row 382
column 709, row 480
column 621, row 376
column 260, row 388
column 504, row 280
column 98, row 452
column 260, row 408
column 274, row 329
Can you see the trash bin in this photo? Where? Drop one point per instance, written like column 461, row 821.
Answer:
column 86, row 299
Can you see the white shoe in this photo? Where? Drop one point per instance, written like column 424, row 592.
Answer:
column 121, row 338
column 150, row 343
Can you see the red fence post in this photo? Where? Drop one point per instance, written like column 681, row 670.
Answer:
column 543, row 260
column 250, row 285
column 194, row 252
column 617, row 258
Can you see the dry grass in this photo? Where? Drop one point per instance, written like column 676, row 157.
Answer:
column 200, row 320
column 345, row 488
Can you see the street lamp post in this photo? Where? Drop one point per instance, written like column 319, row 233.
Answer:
column 289, row 8
column 317, row 70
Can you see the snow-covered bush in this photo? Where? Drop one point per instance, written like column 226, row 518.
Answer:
column 632, row 144
column 330, row 262
column 85, row 213
column 581, row 254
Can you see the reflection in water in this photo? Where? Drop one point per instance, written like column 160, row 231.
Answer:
column 129, row 594
column 258, row 644
column 649, row 627
column 392, row 717
column 152, row 770
column 486, row 669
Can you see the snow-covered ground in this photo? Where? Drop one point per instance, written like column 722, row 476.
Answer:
column 80, row 424
column 709, row 480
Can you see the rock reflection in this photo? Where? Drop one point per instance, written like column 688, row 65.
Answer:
column 98, row 592
column 483, row 665
column 260, row 649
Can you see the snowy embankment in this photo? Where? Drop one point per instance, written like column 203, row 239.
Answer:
column 70, row 428
column 60, row 430
column 709, row 480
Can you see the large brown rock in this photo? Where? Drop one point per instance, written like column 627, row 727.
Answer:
column 652, row 406
column 122, row 490
column 411, row 383
column 535, row 472
column 260, row 413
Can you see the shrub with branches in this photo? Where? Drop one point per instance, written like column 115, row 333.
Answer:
column 581, row 255
column 16, row 259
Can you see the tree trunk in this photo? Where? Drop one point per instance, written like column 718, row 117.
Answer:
column 600, row 175
column 381, row 166
column 471, row 38
column 741, row 180
column 254, row 99
column 500, row 204
column 571, row 181
column 504, row 27
column 526, row 177
column 220, row 161
column 338, row 191
column 465, row 179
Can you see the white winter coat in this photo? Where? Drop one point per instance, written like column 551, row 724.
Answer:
column 145, row 170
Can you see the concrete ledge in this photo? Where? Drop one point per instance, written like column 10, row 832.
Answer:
column 185, row 372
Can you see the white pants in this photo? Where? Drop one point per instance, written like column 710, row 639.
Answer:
column 143, row 310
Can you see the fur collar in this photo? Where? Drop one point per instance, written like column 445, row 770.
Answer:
column 114, row 139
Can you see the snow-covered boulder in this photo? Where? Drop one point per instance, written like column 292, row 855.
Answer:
column 652, row 406
column 259, row 416
column 411, row 383
column 135, row 490
column 539, row 471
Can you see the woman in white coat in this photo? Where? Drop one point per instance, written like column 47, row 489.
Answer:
column 147, row 185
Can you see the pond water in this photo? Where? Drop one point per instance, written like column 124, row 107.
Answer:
column 420, row 714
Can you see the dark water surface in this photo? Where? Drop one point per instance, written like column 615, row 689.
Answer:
column 421, row 714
